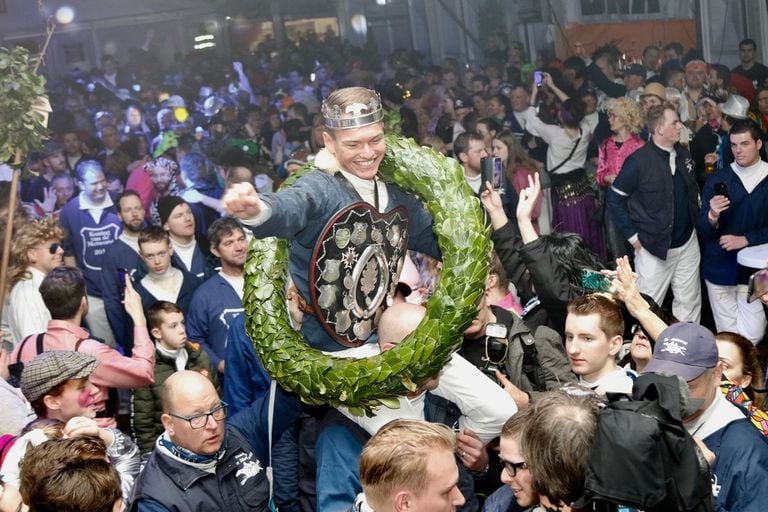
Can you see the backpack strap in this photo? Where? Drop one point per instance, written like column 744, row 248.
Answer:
column 21, row 348
column 39, row 343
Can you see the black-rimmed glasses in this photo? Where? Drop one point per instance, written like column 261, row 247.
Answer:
column 512, row 467
column 201, row 420
column 54, row 248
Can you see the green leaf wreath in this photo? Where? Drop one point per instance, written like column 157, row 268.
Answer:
column 363, row 384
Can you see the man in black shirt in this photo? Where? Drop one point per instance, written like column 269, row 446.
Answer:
column 750, row 68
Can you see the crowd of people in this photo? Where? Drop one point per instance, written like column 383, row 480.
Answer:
column 629, row 229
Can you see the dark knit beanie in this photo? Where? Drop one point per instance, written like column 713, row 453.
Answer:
column 166, row 205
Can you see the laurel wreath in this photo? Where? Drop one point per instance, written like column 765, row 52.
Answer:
column 363, row 384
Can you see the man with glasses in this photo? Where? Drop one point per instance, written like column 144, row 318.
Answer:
column 206, row 461
column 518, row 493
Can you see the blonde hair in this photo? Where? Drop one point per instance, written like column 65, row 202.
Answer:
column 27, row 237
column 394, row 458
column 629, row 111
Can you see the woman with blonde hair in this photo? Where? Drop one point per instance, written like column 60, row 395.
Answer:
column 518, row 165
column 626, row 119
column 36, row 250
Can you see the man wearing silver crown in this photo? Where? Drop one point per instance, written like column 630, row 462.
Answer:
column 349, row 230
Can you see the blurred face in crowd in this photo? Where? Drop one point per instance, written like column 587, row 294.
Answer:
column 482, row 129
column 733, row 364
column 500, row 150
column 131, row 213
column 648, row 101
column 616, row 122
column 522, row 481
column 358, row 150
column 71, row 143
column 64, row 188
column 762, row 102
column 745, row 149
column 94, row 186
column 110, row 137
column 160, row 178
column 479, row 104
column 651, row 59
column 56, row 162
column 156, row 256
column 591, row 352
column 677, row 80
column 474, row 154
column 694, row 78
column 133, row 116
column 496, row 108
column 520, row 99
column 746, row 53
column 181, row 222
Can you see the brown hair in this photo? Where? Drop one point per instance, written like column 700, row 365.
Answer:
column 62, row 290
column 394, row 458
column 153, row 234
column 156, row 313
column 611, row 319
column 655, row 115
column 27, row 237
column 517, row 157
column 69, row 475
column 556, row 442
column 750, row 363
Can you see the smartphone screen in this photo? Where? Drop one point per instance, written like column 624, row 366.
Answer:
column 758, row 285
column 537, row 78
column 492, row 171
column 721, row 189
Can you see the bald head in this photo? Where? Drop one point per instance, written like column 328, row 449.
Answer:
column 184, row 387
column 398, row 321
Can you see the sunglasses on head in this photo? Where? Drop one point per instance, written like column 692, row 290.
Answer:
column 54, row 248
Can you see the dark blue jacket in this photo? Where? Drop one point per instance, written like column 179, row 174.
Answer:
column 245, row 379
column 88, row 240
column 214, row 306
column 201, row 269
column 740, row 472
column 300, row 214
column 188, row 287
column 747, row 216
column 642, row 198
column 119, row 255
column 167, row 485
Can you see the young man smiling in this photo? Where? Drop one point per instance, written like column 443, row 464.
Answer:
column 344, row 189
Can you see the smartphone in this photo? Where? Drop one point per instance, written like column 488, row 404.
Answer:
column 758, row 285
column 721, row 189
column 538, row 78
column 122, row 276
column 595, row 281
column 492, row 170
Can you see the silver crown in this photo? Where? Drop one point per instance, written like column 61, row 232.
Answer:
column 362, row 114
